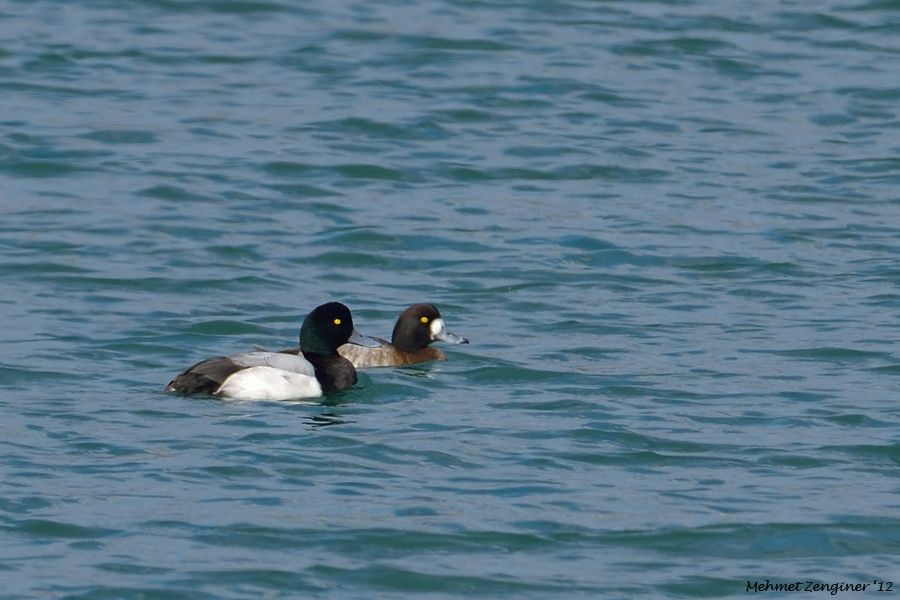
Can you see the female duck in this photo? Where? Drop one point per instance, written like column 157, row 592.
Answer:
column 316, row 370
column 416, row 328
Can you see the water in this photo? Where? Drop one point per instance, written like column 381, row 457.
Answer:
column 670, row 230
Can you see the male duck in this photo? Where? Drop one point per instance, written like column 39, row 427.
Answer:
column 416, row 328
column 315, row 370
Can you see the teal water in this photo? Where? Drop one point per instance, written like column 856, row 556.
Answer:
column 669, row 229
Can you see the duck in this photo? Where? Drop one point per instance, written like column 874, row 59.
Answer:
column 416, row 328
column 316, row 369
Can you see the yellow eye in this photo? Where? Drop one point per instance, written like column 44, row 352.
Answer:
column 337, row 321
column 423, row 319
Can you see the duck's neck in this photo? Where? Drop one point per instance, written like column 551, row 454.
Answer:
column 334, row 372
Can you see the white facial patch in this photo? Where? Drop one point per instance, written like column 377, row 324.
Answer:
column 436, row 327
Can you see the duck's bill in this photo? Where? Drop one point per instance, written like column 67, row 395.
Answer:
column 440, row 333
column 363, row 340
column 445, row 335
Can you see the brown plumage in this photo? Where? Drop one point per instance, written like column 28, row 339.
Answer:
column 388, row 355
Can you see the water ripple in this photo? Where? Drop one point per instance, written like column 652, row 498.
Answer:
column 669, row 231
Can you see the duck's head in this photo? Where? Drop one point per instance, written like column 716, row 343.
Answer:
column 327, row 327
column 420, row 325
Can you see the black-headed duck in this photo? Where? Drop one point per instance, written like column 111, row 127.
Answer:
column 315, row 370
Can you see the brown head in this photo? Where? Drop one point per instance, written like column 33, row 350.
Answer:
column 420, row 325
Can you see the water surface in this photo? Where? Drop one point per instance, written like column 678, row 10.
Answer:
column 669, row 230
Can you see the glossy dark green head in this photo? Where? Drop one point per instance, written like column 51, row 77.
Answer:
column 325, row 328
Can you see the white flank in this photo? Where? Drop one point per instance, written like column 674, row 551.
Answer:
column 268, row 383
